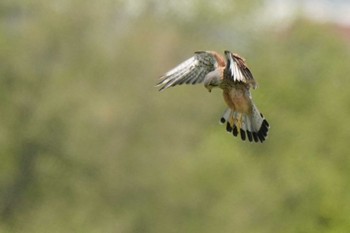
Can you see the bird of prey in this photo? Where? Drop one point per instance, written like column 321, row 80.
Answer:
column 232, row 75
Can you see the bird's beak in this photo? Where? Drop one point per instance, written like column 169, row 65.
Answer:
column 208, row 88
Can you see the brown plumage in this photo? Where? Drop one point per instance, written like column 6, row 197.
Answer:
column 233, row 76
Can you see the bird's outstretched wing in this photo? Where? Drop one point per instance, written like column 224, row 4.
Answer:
column 238, row 70
column 193, row 70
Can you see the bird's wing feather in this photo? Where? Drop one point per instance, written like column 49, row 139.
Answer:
column 239, row 71
column 191, row 71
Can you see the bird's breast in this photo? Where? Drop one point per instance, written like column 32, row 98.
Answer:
column 238, row 99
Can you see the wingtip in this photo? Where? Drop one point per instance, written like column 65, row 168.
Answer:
column 161, row 83
column 228, row 54
column 161, row 88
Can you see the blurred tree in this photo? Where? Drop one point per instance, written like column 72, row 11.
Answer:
column 88, row 144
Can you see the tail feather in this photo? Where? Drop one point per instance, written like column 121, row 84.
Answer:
column 226, row 116
column 253, row 127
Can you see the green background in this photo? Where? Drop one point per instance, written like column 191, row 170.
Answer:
column 88, row 144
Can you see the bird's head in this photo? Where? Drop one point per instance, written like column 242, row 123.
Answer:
column 212, row 79
column 207, row 83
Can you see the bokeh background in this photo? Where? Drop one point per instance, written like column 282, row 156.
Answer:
column 88, row 144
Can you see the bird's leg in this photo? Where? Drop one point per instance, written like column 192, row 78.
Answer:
column 232, row 120
column 239, row 121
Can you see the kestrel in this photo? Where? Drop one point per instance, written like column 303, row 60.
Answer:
column 233, row 76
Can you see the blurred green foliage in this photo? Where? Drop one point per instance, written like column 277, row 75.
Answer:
column 89, row 145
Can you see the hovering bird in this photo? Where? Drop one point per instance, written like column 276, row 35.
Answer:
column 233, row 76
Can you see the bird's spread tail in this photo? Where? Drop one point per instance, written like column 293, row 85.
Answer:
column 253, row 127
